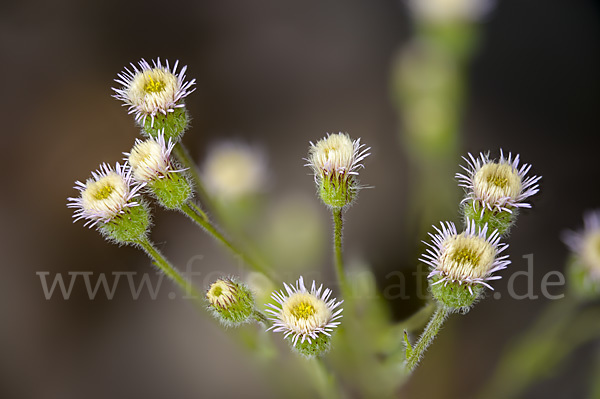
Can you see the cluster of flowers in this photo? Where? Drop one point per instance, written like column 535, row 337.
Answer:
column 463, row 263
column 111, row 200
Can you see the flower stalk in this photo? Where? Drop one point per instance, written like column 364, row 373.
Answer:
column 170, row 271
column 194, row 212
column 415, row 354
column 338, row 224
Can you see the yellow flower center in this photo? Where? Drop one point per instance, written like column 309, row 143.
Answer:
column 221, row 293
column 153, row 86
column 105, row 197
column 466, row 257
column 102, row 192
column 495, row 181
column 303, row 310
column 153, row 90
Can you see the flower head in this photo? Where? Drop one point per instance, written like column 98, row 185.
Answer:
column 586, row 245
column 233, row 170
column 499, row 186
column 231, row 302
column 335, row 161
column 441, row 11
column 151, row 164
column 152, row 90
column 150, row 159
column 108, row 194
column 306, row 318
column 466, row 260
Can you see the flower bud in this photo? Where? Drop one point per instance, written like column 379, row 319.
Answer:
column 335, row 161
column 230, row 302
column 151, row 165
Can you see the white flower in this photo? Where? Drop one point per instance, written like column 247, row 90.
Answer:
column 150, row 159
column 106, row 195
column 336, row 157
column 466, row 258
column 234, row 169
column 498, row 186
column 586, row 243
column 154, row 89
column 304, row 314
column 441, row 11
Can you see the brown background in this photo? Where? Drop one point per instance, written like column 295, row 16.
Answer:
column 278, row 75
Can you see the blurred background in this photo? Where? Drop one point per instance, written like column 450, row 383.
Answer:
column 276, row 75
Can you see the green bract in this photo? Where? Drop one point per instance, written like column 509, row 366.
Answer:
column 128, row 227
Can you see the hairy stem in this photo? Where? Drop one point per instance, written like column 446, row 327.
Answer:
column 324, row 381
column 417, row 352
column 261, row 318
column 170, row 271
column 338, row 223
column 196, row 214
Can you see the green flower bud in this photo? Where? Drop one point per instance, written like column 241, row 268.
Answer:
column 501, row 221
column 172, row 191
column 173, row 124
column 128, row 227
column 312, row 348
column 335, row 161
column 151, row 164
column 231, row 302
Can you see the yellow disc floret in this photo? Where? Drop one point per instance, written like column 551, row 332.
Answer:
column 222, row 293
column 153, row 89
column 304, row 312
column 105, row 197
column 466, row 257
column 495, row 181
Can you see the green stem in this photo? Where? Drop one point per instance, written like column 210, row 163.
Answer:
column 417, row 352
column 261, row 318
column 338, row 223
column 169, row 270
column 325, row 383
column 199, row 211
column 196, row 214
column 184, row 157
